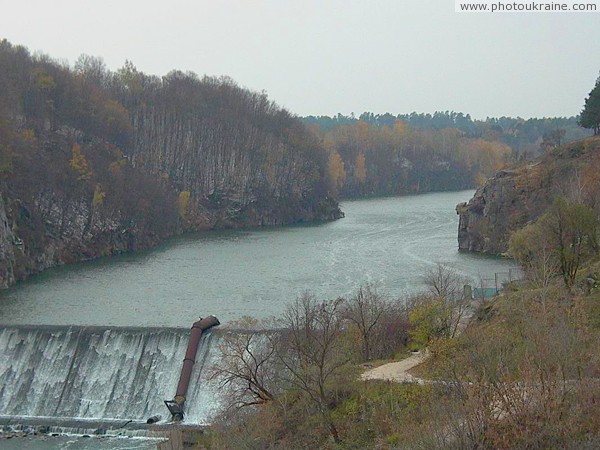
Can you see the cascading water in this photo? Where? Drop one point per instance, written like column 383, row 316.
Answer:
column 95, row 373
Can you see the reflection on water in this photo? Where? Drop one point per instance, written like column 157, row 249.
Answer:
column 390, row 242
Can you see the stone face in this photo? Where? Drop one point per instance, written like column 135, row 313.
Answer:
column 52, row 222
column 90, row 169
column 8, row 245
column 31, row 242
column 513, row 198
column 495, row 210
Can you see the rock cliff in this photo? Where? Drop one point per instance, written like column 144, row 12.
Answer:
column 243, row 160
column 94, row 163
column 517, row 196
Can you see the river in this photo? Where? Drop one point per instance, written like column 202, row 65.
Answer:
column 390, row 242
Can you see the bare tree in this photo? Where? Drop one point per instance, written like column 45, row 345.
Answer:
column 562, row 239
column 447, row 286
column 314, row 355
column 247, row 366
column 443, row 282
column 366, row 310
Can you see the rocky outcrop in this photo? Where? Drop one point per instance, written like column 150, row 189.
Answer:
column 94, row 163
column 8, row 245
column 515, row 197
column 35, row 237
column 497, row 208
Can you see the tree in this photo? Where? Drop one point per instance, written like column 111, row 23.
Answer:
column 92, row 68
column 365, row 310
column 131, row 79
column 246, row 368
column 574, row 229
column 590, row 116
column 446, row 287
column 553, row 139
column 559, row 242
column 79, row 163
column 183, row 203
column 443, row 282
column 313, row 353
column 360, row 168
column 533, row 249
column 428, row 317
column 335, row 169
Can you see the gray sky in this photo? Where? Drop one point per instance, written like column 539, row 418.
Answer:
column 329, row 56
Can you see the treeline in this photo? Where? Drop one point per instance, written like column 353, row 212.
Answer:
column 230, row 148
column 93, row 162
column 525, row 136
column 369, row 159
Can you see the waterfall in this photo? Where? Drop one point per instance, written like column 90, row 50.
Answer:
column 92, row 373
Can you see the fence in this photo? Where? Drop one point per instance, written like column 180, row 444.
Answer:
column 489, row 287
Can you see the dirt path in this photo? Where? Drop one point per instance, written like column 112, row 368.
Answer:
column 397, row 371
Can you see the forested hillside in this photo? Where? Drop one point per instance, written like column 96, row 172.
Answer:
column 527, row 137
column 369, row 159
column 242, row 159
column 383, row 154
column 94, row 162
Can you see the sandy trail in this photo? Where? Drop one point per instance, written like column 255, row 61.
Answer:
column 397, row 371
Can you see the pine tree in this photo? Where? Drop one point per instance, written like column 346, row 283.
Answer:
column 590, row 116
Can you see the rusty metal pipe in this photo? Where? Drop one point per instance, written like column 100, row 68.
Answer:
column 176, row 405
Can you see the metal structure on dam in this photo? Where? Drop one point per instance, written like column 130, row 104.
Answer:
column 112, row 374
column 176, row 406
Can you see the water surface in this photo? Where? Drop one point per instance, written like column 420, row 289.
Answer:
column 391, row 242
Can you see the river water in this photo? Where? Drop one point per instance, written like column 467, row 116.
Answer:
column 390, row 242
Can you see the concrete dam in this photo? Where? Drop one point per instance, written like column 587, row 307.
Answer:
column 97, row 373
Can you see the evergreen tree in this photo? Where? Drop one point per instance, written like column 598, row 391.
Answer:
column 590, row 116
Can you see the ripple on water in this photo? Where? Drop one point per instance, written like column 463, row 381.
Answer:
column 390, row 242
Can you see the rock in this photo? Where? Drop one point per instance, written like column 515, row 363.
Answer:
column 220, row 156
column 8, row 247
column 154, row 419
column 513, row 198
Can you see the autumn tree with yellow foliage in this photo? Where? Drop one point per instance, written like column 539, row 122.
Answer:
column 366, row 159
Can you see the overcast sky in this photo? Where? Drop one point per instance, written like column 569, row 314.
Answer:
column 328, row 56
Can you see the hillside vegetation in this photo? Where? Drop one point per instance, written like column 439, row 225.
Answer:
column 94, row 162
column 522, row 373
column 398, row 159
column 516, row 196
column 520, row 370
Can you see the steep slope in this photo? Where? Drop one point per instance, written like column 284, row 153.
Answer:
column 243, row 160
column 517, row 196
column 93, row 162
column 68, row 193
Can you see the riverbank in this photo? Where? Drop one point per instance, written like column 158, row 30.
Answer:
column 255, row 272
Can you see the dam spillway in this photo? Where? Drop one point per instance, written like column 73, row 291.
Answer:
column 92, row 373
